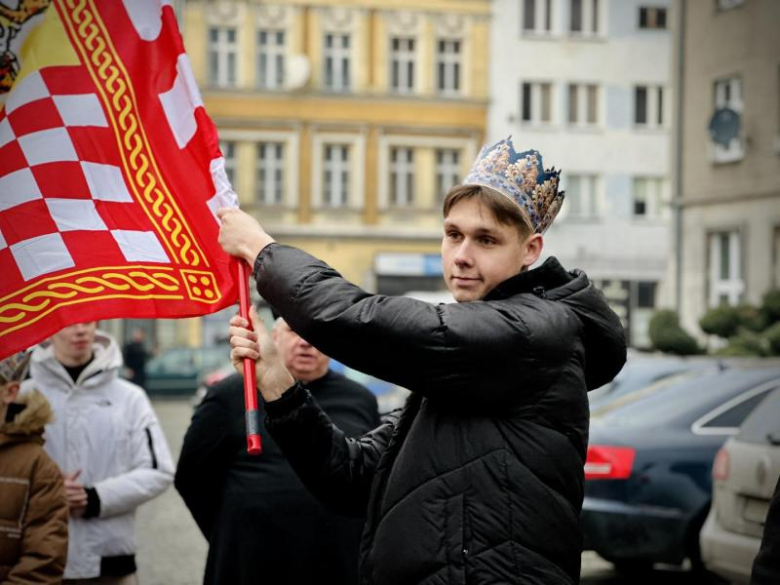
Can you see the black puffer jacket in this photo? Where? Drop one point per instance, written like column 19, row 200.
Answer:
column 480, row 478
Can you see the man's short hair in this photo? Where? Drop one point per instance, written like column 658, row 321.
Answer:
column 504, row 210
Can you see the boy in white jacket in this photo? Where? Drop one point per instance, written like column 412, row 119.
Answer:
column 107, row 442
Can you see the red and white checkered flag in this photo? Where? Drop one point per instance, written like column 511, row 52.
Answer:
column 110, row 171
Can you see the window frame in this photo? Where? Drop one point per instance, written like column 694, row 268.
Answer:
column 341, row 175
column 733, row 286
column 276, row 165
column 585, row 98
column 446, row 169
column 537, row 107
column 728, row 93
column 340, row 60
column 449, row 67
column 401, row 60
column 273, row 57
column 223, row 66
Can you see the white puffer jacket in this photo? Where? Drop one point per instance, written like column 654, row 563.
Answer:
column 104, row 426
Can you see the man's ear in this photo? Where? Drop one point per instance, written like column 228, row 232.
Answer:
column 11, row 392
column 533, row 249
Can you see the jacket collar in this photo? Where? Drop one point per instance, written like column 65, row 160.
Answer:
column 539, row 281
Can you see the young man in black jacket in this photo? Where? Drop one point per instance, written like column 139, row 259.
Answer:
column 262, row 525
column 479, row 478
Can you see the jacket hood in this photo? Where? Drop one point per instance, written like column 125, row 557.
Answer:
column 28, row 415
column 105, row 364
column 604, row 336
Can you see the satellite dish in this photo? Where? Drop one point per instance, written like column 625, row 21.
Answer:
column 724, row 126
column 297, row 71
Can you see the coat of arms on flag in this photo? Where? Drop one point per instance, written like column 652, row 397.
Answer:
column 110, row 171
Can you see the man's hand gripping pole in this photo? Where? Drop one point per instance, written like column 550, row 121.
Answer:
column 254, row 445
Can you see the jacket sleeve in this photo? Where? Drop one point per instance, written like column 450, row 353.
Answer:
column 44, row 547
column 464, row 351
column 205, row 457
column 337, row 470
column 151, row 467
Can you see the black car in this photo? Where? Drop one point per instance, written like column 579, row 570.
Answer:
column 177, row 371
column 648, row 482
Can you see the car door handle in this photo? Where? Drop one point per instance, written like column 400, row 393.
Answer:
column 774, row 438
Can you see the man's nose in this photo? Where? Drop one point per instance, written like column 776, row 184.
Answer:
column 463, row 254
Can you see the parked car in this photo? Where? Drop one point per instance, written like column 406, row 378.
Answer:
column 745, row 473
column 643, row 370
column 648, row 481
column 177, row 371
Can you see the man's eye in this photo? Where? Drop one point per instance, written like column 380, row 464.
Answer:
column 487, row 241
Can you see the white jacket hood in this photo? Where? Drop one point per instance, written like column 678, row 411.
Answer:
column 104, row 367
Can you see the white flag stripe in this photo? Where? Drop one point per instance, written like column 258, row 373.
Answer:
column 80, row 110
column 25, row 91
column 75, row 214
column 47, row 146
column 146, row 16
column 180, row 102
column 41, row 255
column 106, row 182
column 140, row 246
column 17, row 188
column 3, row 244
column 6, row 132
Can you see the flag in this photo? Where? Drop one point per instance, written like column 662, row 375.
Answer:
column 110, row 170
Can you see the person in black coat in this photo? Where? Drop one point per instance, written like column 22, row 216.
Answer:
column 766, row 567
column 479, row 478
column 262, row 525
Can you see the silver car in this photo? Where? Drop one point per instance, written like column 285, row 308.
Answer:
column 745, row 473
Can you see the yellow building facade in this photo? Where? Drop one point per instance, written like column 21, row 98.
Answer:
column 342, row 124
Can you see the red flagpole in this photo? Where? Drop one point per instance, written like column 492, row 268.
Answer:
column 253, row 443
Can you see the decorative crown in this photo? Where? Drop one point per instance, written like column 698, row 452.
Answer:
column 521, row 177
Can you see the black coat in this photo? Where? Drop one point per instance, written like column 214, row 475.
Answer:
column 480, row 478
column 262, row 525
column 766, row 568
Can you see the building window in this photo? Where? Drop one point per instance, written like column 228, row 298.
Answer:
column 401, row 177
column 582, row 197
column 537, row 16
column 649, row 106
column 335, row 175
column 448, row 66
column 652, row 18
column 402, row 58
column 584, row 17
column 536, row 103
column 447, row 171
column 583, row 104
column 726, row 284
column 228, row 148
column 728, row 4
column 648, row 197
column 270, row 59
column 270, row 173
column 337, row 62
column 728, row 94
column 223, row 51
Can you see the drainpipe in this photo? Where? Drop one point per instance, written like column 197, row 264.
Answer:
column 677, row 208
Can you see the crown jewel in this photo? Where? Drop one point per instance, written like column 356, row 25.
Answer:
column 521, row 177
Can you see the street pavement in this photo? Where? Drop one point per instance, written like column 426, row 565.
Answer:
column 172, row 551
